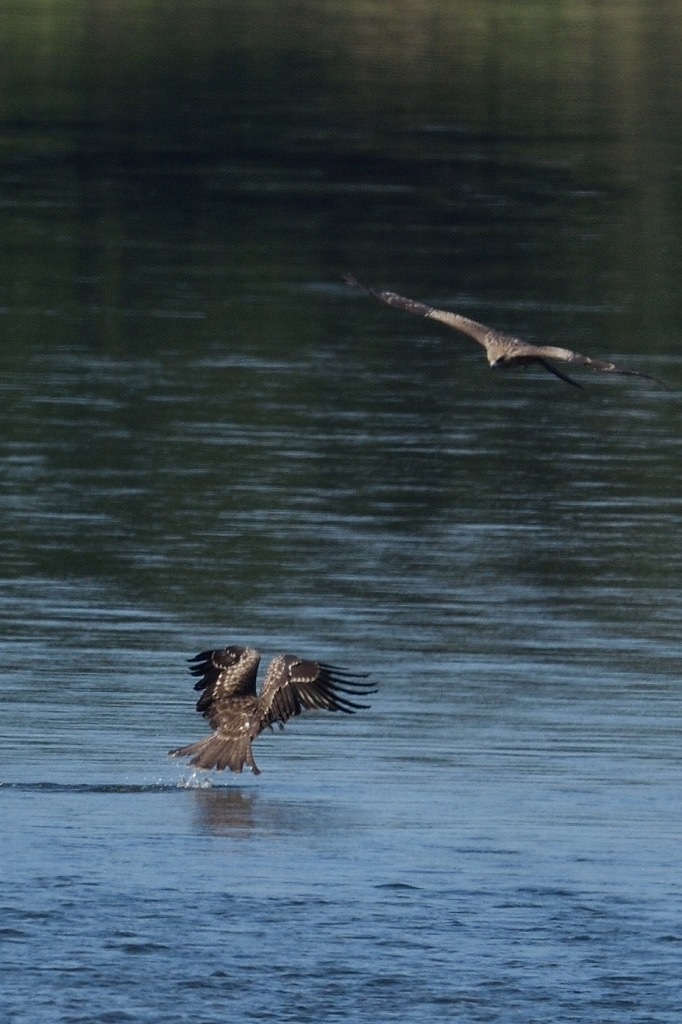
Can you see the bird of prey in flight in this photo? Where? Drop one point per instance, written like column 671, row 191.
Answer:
column 238, row 714
column 502, row 350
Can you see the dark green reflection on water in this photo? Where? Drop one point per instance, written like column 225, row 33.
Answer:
column 183, row 186
column 482, row 134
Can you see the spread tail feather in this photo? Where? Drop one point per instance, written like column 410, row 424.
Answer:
column 219, row 752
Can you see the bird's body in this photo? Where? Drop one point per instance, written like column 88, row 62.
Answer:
column 502, row 350
column 238, row 714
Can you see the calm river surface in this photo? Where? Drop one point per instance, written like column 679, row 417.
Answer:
column 207, row 438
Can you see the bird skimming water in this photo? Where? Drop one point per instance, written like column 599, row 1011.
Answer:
column 238, row 714
column 502, row 350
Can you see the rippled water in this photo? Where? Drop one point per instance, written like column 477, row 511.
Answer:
column 496, row 839
column 207, row 438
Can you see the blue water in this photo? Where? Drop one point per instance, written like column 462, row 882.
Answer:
column 496, row 839
column 417, row 891
column 207, row 438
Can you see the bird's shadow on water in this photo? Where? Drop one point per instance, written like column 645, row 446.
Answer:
column 238, row 812
column 227, row 809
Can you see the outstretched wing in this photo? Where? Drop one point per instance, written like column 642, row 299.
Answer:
column 502, row 349
column 479, row 332
column 292, row 685
column 575, row 359
column 225, row 674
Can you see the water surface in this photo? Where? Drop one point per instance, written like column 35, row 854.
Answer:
column 207, row 438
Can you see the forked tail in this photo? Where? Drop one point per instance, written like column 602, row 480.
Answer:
column 219, row 752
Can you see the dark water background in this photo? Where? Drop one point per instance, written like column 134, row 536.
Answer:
column 207, row 438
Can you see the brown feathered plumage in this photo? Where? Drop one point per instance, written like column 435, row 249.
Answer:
column 238, row 714
column 501, row 349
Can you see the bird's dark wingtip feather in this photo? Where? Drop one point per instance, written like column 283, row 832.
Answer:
column 347, row 681
column 341, row 671
column 560, row 374
column 648, row 376
column 349, row 707
column 354, row 283
column 204, row 656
